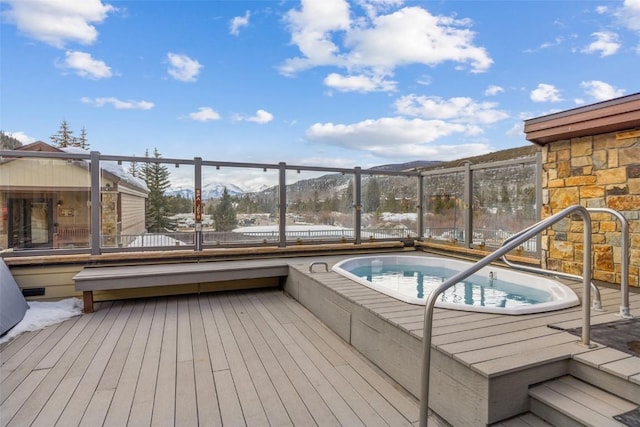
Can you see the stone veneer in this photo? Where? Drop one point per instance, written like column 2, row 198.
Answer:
column 600, row 171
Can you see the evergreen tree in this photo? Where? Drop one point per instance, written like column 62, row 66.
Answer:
column 64, row 137
column 505, row 199
column 134, row 170
column 81, row 141
column 372, row 196
column 224, row 215
column 347, row 199
column 156, row 175
column 8, row 142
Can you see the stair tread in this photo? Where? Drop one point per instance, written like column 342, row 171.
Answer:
column 525, row 420
column 581, row 401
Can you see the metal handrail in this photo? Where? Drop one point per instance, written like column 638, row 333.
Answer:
column 326, row 266
column 530, row 232
column 597, row 299
column 625, row 311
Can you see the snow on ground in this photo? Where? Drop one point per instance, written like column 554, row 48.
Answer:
column 44, row 313
column 399, row 217
column 147, row 240
column 290, row 228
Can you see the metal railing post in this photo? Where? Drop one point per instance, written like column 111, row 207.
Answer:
column 282, row 204
column 197, row 178
column 467, row 209
column 420, row 207
column 96, row 205
column 357, row 205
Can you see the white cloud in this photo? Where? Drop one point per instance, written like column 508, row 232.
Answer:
column 377, row 46
column 601, row 91
column 22, row 137
column 118, row 104
column 545, row 93
column 311, row 28
column 516, row 130
column 493, row 90
column 606, row 44
column 359, row 83
column 374, row 7
column 413, row 36
column 395, row 137
column 204, row 114
column 629, row 15
column 58, row 23
column 239, row 22
column 387, row 137
column 183, row 68
column 85, row 66
column 261, row 117
column 457, row 109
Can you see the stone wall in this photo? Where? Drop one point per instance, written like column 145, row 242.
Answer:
column 596, row 171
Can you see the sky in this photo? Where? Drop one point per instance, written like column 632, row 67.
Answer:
column 317, row 82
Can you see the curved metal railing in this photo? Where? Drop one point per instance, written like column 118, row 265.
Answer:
column 524, row 236
column 597, row 299
column 625, row 311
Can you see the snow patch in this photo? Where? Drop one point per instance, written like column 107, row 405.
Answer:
column 44, row 313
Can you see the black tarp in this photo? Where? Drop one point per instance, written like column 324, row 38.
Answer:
column 12, row 303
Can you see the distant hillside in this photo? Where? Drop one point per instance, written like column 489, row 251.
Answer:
column 329, row 185
column 496, row 156
column 399, row 167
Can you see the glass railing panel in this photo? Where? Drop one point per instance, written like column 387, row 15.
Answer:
column 240, row 205
column 443, row 200
column 44, row 203
column 504, row 203
column 389, row 207
column 319, row 206
column 151, row 206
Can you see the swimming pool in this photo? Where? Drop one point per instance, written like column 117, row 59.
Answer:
column 491, row 290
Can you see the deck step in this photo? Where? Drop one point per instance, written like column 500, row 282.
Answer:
column 525, row 420
column 567, row 401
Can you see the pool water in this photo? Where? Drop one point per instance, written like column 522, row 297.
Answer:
column 476, row 290
column 491, row 289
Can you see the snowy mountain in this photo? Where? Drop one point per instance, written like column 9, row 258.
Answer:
column 211, row 190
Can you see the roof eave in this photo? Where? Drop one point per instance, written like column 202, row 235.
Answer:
column 604, row 117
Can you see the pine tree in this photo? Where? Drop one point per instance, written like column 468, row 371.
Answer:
column 156, row 175
column 372, row 196
column 64, row 137
column 224, row 215
column 81, row 141
column 8, row 142
column 134, row 170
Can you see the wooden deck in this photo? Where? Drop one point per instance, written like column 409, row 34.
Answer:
column 262, row 358
column 239, row 358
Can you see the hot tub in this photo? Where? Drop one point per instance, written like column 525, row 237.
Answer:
column 491, row 290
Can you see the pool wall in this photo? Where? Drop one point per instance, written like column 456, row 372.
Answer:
column 562, row 295
column 340, row 305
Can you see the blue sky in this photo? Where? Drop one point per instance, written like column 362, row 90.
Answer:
column 317, row 82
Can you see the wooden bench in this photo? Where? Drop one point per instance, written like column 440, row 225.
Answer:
column 141, row 276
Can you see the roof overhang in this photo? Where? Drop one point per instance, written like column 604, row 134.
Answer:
column 609, row 116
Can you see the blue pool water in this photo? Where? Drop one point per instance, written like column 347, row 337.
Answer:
column 495, row 290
